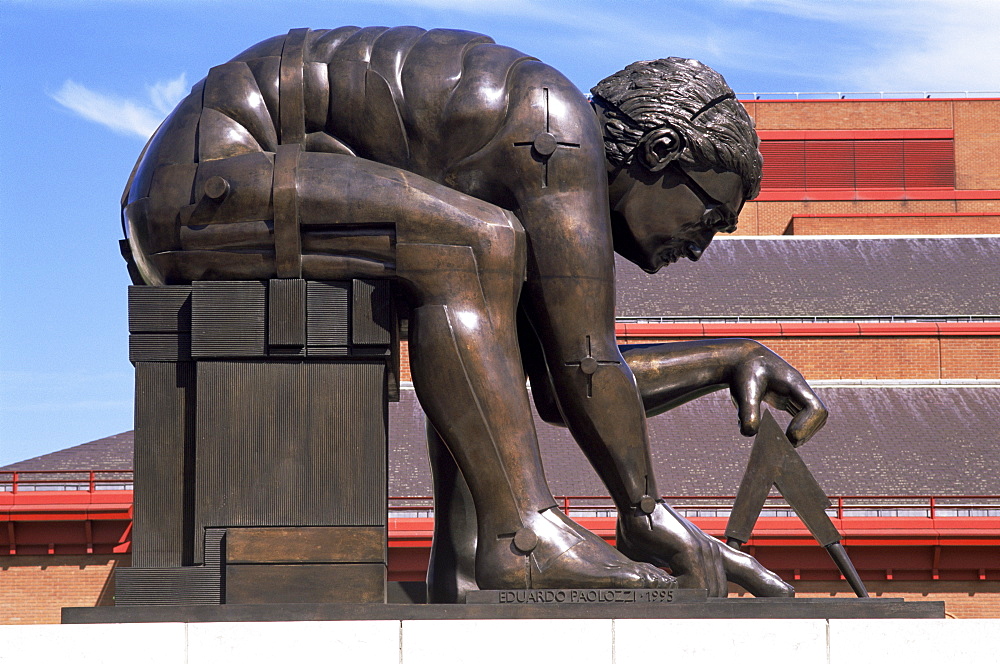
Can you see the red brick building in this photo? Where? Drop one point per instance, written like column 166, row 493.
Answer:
column 868, row 262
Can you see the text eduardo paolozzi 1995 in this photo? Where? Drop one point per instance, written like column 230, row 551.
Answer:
column 583, row 596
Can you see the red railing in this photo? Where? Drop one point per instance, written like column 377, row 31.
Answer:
column 584, row 506
column 720, row 506
column 65, row 480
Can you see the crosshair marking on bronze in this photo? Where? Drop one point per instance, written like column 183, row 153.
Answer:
column 590, row 364
column 545, row 143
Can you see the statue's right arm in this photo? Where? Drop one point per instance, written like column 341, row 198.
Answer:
column 672, row 374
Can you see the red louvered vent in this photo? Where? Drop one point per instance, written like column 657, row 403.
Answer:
column 929, row 164
column 830, row 165
column 858, row 164
column 784, row 164
column 879, row 164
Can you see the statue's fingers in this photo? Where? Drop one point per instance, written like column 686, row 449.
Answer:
column 745, row 571
column 747, row 393
column 807, row 421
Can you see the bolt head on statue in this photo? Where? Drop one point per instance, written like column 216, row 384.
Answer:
column 493, row 193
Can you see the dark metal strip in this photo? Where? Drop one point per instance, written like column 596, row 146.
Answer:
column 291, row 99
column 287, row 242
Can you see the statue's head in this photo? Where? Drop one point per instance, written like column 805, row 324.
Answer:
column 678, row 109
column 683, row 157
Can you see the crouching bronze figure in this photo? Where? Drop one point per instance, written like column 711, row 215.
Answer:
column 494, row 194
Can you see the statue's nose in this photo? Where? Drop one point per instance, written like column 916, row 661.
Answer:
column 693, row 251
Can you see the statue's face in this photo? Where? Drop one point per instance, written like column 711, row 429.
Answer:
column 659, row 218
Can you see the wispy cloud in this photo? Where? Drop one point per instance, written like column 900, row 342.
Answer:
column 121, row 114
column 943, row 46
column 932, row 45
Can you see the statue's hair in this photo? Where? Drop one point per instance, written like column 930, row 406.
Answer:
column 693, row 99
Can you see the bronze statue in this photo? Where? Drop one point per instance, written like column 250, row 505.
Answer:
column 493, row 193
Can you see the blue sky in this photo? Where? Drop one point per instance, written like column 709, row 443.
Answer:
column 84, row 82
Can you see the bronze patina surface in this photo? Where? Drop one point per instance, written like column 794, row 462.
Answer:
column 493, row 194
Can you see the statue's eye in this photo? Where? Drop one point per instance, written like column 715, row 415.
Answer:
column 719, row 221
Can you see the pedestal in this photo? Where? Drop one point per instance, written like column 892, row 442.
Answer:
column 260, row 442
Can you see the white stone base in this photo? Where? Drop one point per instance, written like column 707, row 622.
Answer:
column 511, row 642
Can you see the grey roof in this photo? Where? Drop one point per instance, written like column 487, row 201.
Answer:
column 878, row 441
column 938, row 276
column 111, row 453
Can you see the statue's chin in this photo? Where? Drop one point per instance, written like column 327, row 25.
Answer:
column 631, row 253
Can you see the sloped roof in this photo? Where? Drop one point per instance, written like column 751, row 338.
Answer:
column 878, row 441
column 110, row 453
column 937, row 276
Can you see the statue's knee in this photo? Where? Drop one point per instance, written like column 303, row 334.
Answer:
column 500, row 245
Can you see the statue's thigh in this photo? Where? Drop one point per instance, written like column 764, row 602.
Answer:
column 384, row 213
column 335, row 190
column 338, row 216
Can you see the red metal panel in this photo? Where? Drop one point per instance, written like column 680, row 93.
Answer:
column 829, row 164
column 879, row 164
column 898, row 329
column 968, row 329
column 897, row 215
column 819, row 330
column 858, row 160
column 767, row 135
column 752, row 330
column 641, row 330
column 929, row 164
column 784, row 165
column 898, row 194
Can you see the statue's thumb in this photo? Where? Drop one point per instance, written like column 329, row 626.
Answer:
column 749, row 411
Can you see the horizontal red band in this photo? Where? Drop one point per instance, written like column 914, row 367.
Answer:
column 853, row 134
column 942, row 194
column 805, row 329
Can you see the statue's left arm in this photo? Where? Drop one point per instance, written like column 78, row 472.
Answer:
column 671, row 374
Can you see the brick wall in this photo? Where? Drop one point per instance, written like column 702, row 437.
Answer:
column 977, row 144
column 404, row 360
column 33, row 589
column 767, row 217
column 977, row 157
column 887, row 358
column 889, row 225
column 978, row 205
column 852, row 114
column 961, row 600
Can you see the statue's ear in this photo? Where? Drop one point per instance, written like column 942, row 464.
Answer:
column 659, row 147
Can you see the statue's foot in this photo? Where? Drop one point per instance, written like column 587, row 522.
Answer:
column 552, row 551
column 666, row 539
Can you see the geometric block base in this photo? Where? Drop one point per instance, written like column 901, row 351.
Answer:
column 305, row 583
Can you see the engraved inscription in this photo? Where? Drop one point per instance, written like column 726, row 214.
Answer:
column 586, row 596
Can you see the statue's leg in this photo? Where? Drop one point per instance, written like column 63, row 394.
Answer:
column 461, row 262
column 451, row 573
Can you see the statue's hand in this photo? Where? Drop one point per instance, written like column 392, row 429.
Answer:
column 763, row 376
column 698, row 560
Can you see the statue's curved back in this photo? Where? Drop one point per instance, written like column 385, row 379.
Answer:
column 205, row 181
